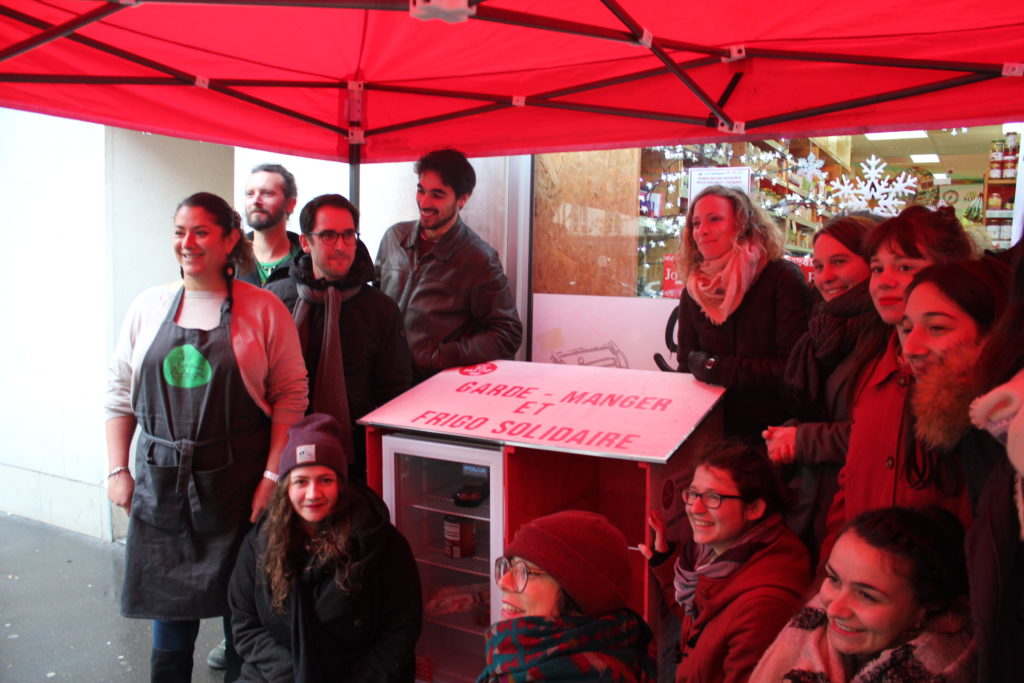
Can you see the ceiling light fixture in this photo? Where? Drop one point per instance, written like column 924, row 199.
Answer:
column 898, row 135
column 924, row 158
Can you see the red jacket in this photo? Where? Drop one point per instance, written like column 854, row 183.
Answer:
column 882, row 431
column 739, row 616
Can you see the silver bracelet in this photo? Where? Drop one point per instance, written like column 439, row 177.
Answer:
column 117, row 470
column 272, row 476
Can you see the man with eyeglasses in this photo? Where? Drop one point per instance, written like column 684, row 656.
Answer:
column 270, row 195
column 352, row 335
column 447, row 281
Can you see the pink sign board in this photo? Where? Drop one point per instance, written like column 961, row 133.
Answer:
column 626, row 414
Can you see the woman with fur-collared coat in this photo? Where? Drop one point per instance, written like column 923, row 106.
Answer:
column 743, row 309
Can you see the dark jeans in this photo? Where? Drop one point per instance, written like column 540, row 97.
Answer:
column 181, row 636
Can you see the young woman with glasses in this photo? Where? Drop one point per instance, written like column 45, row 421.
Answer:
column 740, row 576
column 564, row 581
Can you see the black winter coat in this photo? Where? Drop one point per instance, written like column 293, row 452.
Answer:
column 821, row 375
column 325, row 633
column 751, row 346
column 995, row 561
column 377, row 362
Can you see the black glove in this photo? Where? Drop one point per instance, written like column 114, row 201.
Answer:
column 702, row 365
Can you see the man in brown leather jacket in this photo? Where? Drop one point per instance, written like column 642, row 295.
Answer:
column 449, row 284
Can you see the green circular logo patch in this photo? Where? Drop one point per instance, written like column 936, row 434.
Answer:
column 185, row 367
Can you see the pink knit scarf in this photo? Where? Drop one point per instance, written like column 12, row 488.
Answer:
column 719, row 285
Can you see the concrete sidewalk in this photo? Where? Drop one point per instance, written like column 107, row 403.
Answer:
column 59, row 618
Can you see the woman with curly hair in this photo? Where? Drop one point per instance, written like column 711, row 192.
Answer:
column 744, row 307
column 893, row 607
column 325, row 588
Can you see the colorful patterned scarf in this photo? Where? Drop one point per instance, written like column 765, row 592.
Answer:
column 609, row 647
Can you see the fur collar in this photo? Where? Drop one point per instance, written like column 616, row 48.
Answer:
column 942, row 397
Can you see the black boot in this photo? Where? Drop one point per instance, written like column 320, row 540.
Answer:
column 170, row 666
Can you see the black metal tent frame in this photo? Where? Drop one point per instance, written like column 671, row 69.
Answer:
column 633, row 33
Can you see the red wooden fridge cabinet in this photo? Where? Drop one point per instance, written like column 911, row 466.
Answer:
column 537, row 439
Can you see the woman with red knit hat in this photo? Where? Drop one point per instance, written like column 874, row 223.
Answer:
column 564, row 580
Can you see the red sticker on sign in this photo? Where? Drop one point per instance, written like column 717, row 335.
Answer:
column 478, row 369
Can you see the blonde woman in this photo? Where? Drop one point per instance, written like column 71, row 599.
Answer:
column 744, row 307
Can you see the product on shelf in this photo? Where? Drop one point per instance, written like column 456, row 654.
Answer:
column 459, row 536
column 995, row 159
column 456, row 599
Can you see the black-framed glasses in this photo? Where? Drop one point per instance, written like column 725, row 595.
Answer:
column 330, row 237
column 519, row 570
column 712, row 500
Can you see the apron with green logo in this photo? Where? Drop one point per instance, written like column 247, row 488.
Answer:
column 200, row 455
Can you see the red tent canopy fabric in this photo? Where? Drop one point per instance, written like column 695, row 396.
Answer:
column 365, row 81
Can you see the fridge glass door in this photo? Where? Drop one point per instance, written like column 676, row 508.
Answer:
column 447, row 500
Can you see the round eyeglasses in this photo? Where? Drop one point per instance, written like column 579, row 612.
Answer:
column 519, row 570
column 330, row 237
column 712, row 500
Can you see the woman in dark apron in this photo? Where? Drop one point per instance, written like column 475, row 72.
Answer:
column 212, row 374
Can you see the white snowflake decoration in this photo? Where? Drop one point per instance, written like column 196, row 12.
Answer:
column 810, row 167
column 874, row 190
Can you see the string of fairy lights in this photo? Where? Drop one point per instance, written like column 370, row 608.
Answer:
column 796, row 190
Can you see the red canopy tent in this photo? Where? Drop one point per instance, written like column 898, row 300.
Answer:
column 365, row 81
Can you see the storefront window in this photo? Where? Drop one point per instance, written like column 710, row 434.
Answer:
column 607, row 223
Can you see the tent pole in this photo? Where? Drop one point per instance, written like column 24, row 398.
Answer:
column 186, row 79
column 60, row 30
column 957, row 82
column 354, row 168
column 637, row 32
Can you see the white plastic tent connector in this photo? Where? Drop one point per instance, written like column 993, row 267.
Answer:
column 354, row 103
column 356, row 136
column 736, row 53
column 1013, row 69
column 519, row 100
column 451, row 11
column 647, row 39
column 737, row 127
column 203, row 82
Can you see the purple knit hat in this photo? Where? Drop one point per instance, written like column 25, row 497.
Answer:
column 313, row 440
column 583, row 552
